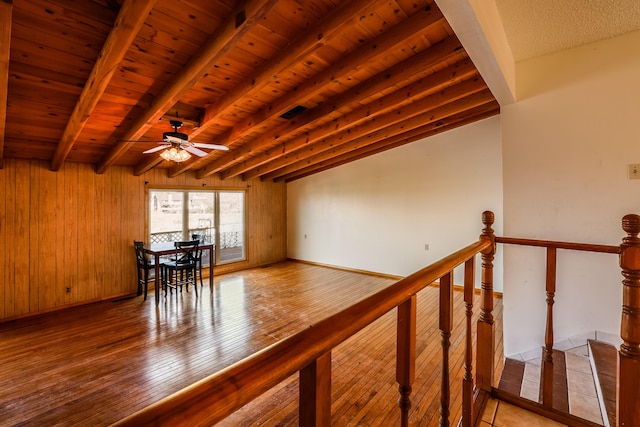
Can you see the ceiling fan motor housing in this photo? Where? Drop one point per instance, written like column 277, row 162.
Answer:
column 179, row 135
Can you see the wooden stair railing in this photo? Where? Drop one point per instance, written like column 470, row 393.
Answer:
column 309, row 352
column 552, row 247
column 628, row 376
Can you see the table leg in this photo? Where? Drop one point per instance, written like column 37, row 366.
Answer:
column 211, row 261
column 157, row 278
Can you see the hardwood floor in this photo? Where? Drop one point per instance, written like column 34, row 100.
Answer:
column 95, row 364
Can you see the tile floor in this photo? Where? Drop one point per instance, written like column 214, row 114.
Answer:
column 502, row 414
column 583, row 400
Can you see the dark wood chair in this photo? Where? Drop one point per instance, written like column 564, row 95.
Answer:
column 200, row 238
column 181, row 270
column 144, row 266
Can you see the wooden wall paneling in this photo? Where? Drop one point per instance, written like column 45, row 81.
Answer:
column 157, row 176
column 252, row 215
column 47, row 238
column 277, row 222
column 125, row 218
column 99, row 232
column 74, row 228
column 117, row 230
column 9, row 173
column 136, row 219
column 5, row 261
column 282, row 223
column 112, row 231
column 267, row 204
column 133, row 216
column 33, row 208
column 70, row 235
column 59, row 220
column 86, row 243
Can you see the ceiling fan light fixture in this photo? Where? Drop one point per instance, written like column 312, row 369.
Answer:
column 175, row 154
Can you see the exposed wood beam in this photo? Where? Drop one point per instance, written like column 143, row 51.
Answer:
column 428, row 85
column 338, row 74
column 417, row 24
column 407, row 71
column 130, row 19
column 222, row 40
column 6, row 9
column 333, row 148
column 445, row 103
column 311, row 40
column 474, row 115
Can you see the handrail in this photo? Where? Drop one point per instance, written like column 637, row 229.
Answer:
column 215, row 397
column 586, row 247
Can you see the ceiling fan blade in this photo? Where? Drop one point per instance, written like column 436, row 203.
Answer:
column 154, row 149
column 194, row 150
column 213, row 146
column 174, row 139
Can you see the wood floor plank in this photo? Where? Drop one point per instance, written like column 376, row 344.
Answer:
column 94, row 364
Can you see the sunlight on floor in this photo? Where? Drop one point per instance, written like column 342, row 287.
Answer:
column 502, row 414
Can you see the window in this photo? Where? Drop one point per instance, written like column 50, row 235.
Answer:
column 215, row 216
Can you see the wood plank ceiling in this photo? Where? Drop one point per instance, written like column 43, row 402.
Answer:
column 292, row 87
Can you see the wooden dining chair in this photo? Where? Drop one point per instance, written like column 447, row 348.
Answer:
column 144, row 266
column 200, row 238
column 181, row 270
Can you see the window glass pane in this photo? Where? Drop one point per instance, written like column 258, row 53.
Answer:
column 165, row 216
column 215, row 217
column 231, row 247
column 201, row 219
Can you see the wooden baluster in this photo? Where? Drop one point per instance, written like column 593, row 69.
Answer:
column 446, row 320
column 315, row 393
column 486, row 334
column 406, row 355
column 547, row 352
column 629, row 356
column 467, row 382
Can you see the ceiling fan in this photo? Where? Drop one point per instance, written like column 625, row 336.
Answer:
column 177, row 145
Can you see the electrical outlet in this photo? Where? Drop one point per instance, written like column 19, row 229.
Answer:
column 68, row 290
column 634, row 171
column 426, row 246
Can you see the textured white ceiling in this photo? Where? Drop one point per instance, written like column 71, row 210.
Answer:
column 539, row 27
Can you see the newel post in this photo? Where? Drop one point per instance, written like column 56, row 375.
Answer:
column 629, row 355
column 486, row 333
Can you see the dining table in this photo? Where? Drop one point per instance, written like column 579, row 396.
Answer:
column 157, row 250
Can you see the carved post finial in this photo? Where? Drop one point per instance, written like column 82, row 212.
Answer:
column 631, row 226
column 487, row 232
column 488, row 217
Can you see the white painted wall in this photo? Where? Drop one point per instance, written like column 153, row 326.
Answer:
column 377, row 214
column 566, row 146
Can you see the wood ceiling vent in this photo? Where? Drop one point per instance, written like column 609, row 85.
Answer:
column 294, row 112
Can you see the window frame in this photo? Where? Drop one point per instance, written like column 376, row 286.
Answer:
column 216, row 215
